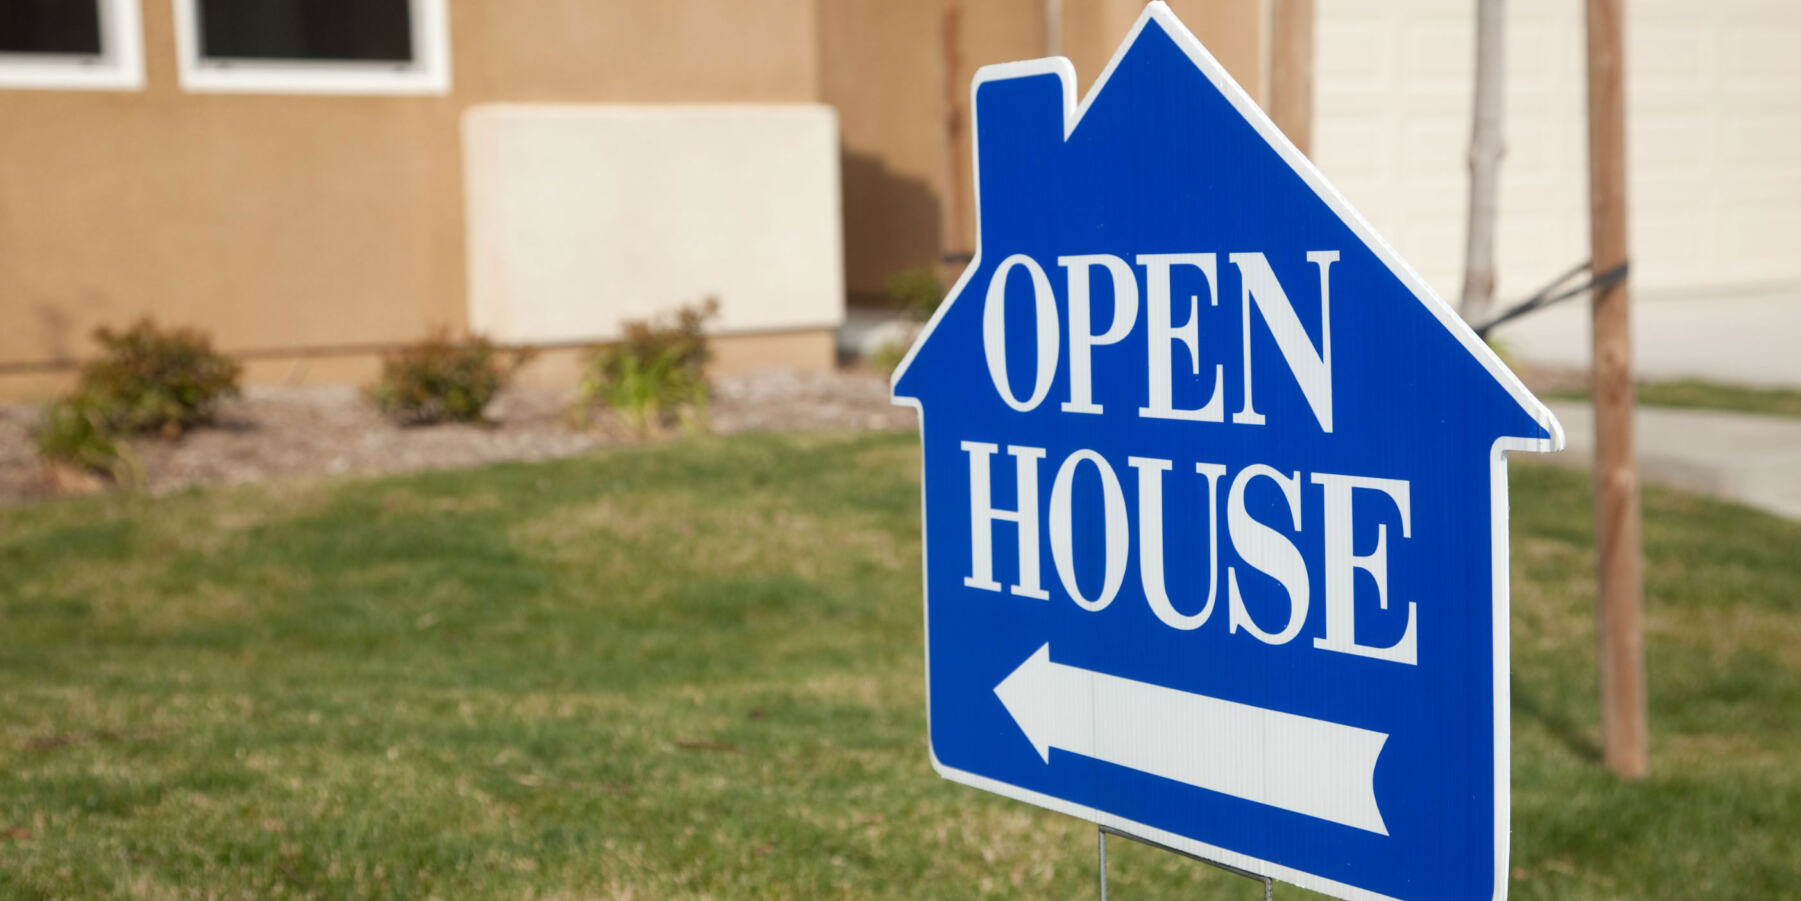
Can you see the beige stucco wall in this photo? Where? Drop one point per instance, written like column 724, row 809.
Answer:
column 904, row 118
column 307, row 230
column 881, row 67
column 643, row 51
column 309, row 222
column 273, row 221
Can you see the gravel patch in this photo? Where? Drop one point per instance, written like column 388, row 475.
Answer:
column 277, row 432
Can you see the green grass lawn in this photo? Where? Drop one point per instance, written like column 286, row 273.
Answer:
column 1708, row 396
column 695, row 670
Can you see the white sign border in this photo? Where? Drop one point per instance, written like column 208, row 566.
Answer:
column 1241, row 101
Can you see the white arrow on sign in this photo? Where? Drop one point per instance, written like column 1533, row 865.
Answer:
column 1297, row 763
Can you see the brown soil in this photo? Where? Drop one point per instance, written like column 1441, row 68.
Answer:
column 276, row 432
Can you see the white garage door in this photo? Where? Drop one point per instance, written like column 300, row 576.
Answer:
column 1714, row 120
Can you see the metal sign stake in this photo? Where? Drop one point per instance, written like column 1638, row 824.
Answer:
column 1269, row 885
column 1101, row 834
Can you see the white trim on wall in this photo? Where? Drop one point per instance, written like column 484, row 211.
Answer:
column 118, row 67
column 428, row 73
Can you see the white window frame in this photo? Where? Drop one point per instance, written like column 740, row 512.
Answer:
column 428, row 73
column 118, row 67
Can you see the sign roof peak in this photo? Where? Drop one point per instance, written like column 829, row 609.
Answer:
column 1158, row 21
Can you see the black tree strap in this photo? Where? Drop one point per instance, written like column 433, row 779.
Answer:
column 1558, row 290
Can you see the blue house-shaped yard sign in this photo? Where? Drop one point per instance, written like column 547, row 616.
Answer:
column 1215, row 498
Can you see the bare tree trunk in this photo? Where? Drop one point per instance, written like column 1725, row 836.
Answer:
column 950, row 36
column 1291, row 70
column 1053, row 27
column 1486, row 148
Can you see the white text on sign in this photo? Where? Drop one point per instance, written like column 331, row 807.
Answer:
column 1257, row 544
column 1312, row 368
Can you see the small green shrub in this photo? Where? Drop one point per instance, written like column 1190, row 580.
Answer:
column 656, row 375
column 443, row 379
column 153, row 380
column 916, row 291
column 887, row 356
column 75, row 434
column 147, row 380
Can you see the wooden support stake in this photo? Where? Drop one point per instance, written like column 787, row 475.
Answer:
column 1291, row 70
column 1624, row 734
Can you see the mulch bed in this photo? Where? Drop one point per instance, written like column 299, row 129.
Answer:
column 323, row 430
column 280, row 432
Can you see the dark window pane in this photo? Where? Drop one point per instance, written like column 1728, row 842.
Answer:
column 353, row 30
column 50, row 26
